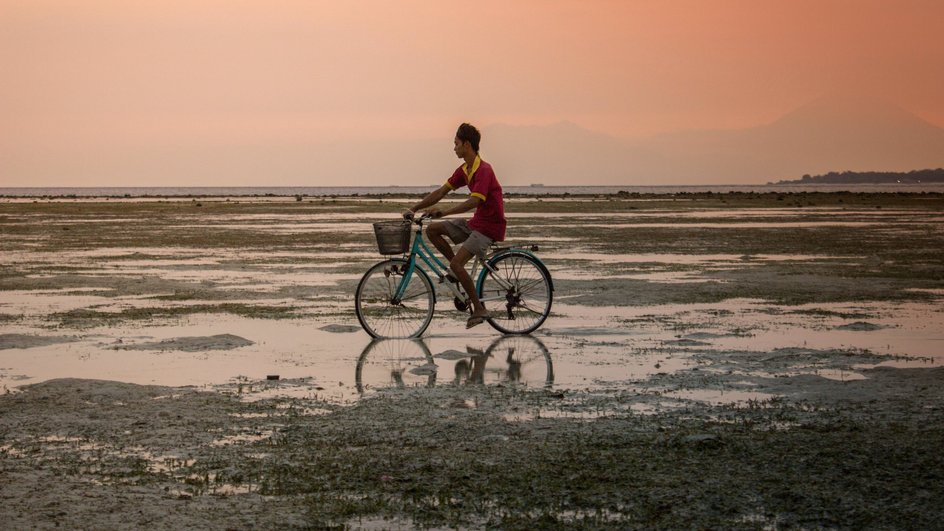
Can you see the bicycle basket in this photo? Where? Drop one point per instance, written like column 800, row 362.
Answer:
column 393, row 237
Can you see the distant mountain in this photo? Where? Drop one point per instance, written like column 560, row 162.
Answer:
column 829, row 134
column 561, row 154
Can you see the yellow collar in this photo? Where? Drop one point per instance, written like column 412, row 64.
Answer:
column 469, row 173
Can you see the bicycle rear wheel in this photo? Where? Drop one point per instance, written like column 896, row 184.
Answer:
column 524, row 360
column 380, row 314
column 518, row 293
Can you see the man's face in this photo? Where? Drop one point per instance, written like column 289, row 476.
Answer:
column 461, row 147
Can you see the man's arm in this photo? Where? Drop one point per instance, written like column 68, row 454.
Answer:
column 431, row 199
column 465, row 206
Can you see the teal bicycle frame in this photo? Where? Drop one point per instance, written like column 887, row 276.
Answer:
column 421, row 249
column 390, row 302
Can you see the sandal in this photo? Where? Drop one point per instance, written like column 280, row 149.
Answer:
column 475, row 320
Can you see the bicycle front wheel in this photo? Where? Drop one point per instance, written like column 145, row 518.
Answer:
column 381, row 314
column 517, row 290
column 388, row 363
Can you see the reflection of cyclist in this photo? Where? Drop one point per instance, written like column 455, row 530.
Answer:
column 487, row 224
column 514, row 366
column 473, row 371
column 408, row 362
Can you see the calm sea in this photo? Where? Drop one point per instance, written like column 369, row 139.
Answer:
column 327, row 191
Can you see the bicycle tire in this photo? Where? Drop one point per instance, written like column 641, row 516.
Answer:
column 527, row 360
column 393, row 363
column 382, row 317
column 523, row 286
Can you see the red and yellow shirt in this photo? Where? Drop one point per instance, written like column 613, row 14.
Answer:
column 489, row 217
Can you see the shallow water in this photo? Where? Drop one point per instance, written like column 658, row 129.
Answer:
column 580, row 348
column 628, row 348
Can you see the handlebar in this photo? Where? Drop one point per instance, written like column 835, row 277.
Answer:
column 418, row 220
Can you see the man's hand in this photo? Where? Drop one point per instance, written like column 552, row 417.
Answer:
column 408, row 214
column 434, row 213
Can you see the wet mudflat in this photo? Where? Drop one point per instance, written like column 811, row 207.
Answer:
column 725, row 360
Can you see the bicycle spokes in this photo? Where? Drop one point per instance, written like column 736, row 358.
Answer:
column 382, row 313
column 522, row 289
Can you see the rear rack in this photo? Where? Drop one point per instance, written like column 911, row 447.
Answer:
column 495, row 249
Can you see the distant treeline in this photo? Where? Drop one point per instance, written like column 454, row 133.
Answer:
column 872, row 177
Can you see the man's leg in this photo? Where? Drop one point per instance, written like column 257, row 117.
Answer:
column 435, row 233
column 457, row 266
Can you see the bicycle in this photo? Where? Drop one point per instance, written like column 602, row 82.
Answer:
column 395, row 298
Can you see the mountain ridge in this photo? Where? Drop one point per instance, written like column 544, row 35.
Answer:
column 829, row 134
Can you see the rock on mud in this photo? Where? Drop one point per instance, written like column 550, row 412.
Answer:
column 452, row 355
column 860, row 326
column 340, row 329
column 192, row 344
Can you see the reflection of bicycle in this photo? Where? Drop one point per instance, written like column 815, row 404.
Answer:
column 396, row 299
column 395, row 363
column 520, row 359
column 400, row 363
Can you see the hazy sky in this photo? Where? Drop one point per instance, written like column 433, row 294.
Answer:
column 231, row 92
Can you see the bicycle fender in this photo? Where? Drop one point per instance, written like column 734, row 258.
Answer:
column 517, row 252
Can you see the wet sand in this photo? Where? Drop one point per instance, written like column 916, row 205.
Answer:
column 713, row 360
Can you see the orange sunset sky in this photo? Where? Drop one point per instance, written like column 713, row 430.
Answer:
column 317, row 93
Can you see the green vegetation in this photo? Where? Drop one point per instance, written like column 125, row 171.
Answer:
column 88, row 316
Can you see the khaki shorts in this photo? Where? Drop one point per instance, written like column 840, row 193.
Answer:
column 473, row 241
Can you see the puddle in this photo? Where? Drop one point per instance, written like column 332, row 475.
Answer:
column 44, row 302
column 582, row 348
column 510, row 360
column 840, row 375
column 912, row 330
column 719, row 396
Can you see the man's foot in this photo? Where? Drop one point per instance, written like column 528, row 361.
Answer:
column 476, row 320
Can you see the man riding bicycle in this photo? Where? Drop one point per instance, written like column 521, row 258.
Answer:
column 487, row 224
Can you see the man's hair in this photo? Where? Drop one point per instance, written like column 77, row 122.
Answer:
column 468, row 133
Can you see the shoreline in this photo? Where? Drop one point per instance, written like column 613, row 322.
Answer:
column 828, row 198
column 532, row 192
